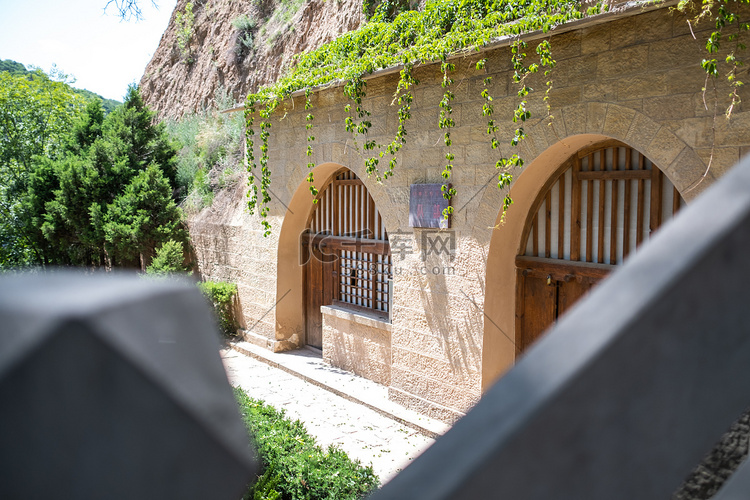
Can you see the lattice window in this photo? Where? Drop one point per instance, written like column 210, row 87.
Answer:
column 347, row 222
column 602, row 207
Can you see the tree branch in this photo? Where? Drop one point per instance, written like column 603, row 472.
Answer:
column 128, row 9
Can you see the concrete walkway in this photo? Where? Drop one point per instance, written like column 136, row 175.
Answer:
column 337, row 407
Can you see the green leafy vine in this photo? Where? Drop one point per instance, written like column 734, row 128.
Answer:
column 404, row 97
column 724, row 18
column 252, row 194
column 265, row 179
column 727, row 25
column 504, row 165
column 310, row 138
column 446, row 123
column 399, row 36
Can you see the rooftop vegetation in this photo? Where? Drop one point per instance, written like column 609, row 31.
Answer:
column 401, row 36
column 398, row 35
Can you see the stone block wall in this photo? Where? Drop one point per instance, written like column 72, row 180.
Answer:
column 225, row 240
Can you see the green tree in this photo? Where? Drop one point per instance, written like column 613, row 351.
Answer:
column 142, row 217
column 13, row 67
column 72, row 218
column 88, row 128
column 18, row 69
column 36, row 114
column 134, row 133
column 169, row 259
column 86, row 183
column 113, row 203
column 70, row 192
column 78, row 187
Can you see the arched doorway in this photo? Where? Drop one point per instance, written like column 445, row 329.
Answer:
column 595, row 211
column 346, row 255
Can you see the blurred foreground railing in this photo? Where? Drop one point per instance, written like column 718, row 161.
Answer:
column 112, row 387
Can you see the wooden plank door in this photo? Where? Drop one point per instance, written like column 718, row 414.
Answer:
column 319, row 289
column 349, row 255
column 539, row 309
column 544, row 300
column 570, row 292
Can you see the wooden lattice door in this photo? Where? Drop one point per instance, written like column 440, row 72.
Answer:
column 346, row 253
column 319, row 288
column 597, row 210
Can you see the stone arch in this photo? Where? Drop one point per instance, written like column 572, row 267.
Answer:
column 582, row 125
column 290, row 320
column 675, row 158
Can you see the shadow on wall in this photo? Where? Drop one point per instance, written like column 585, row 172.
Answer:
column 440, row 300
column 361, row 349
column 236, row 310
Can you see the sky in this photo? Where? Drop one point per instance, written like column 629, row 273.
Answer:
column 103, row 53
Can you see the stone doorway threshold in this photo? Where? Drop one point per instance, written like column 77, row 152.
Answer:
column 308, row 364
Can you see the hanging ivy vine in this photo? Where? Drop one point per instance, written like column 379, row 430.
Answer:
column 310, row 138
column 446, row 123
column 727, row 26
column 503, row 165
column 397, row 35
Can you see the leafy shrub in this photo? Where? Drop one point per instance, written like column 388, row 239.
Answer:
column 244, row 42
column 221, row 295
column 185, row 133
column 244, row 23
column 184, row 23
column 169, row 259
column 202, row 186
column 211, row 147
column 294, row 466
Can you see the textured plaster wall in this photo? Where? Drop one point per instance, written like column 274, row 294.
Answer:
column 636, row 79
column 357, row 343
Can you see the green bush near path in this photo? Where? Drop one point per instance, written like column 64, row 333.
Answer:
column 294, row 467
column 221, row 295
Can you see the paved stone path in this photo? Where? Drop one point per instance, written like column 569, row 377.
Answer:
column 362, row 433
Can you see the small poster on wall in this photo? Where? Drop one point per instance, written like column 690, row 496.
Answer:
column 426, row 205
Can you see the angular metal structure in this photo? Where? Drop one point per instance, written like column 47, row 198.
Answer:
column 112, row 386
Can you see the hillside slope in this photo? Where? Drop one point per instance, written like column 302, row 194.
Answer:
column 278, row 29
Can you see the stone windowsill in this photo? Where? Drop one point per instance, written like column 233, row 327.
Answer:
column 360, row 317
